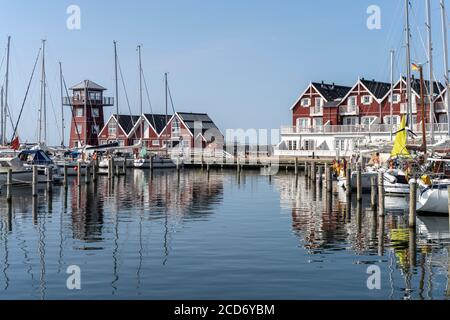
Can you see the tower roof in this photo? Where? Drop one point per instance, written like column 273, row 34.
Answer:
column 87, row 84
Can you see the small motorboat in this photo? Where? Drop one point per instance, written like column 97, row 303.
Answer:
column 38, row 158
column 396, row 183
column 20, row 174
column 157, row 162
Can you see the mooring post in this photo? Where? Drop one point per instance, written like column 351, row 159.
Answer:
column 348, row 181
column 306, row 169
column 313, row 172
column 79, row 173
column 87, row 176
column 296, row 166
column 320, row 175
column 381, row 194
column 66, row 182
column 448, row 190
column 117, row 170
column 373, row 192
column 124, row 166
column 358, row 182
column 110, row 168
column 95, row 172
column 412, row 202
column 49, row 178
column 9, row 185
column 329, row 178
column 34, row 190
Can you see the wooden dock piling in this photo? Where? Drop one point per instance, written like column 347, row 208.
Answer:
column 381, row 194
column 66, row 181
column 412, row 202
column 95, row 172
column 296, row 166
column 49, row 178
column 313, row 172
column 124, row 167
column 358, row 183
column 348, row 182
column 87, row 176
column 320, row 173
column 373, row 192
column 9, row 182
column 79, row 174
column 34, row 189
column 329, row 178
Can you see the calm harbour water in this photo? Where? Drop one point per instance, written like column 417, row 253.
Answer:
column 214, row 237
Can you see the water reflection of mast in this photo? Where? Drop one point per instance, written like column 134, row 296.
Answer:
column 41, row 250
column 116, row 245
column 166, row 228
column 4, row 232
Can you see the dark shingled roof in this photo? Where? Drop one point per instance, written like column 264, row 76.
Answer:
column 158, row 121
column 190, row 118
column 378, row 89
column 331, row 92
column 415, row 85
column 127, row 122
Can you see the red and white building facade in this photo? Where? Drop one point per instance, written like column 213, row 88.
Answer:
column 330, row 120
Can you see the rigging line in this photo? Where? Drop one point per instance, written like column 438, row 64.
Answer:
column 126, row 94
column 148, row 98
column 3, row 60
column 26, row 94
column 53, row 107
column 71, row 110
column 170, row 96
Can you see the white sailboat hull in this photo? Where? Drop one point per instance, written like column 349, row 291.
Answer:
column 433, row 199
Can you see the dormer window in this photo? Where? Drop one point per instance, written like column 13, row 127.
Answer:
column 366, row 100
column 318, row 102
column 396, row 98
column 305, row 102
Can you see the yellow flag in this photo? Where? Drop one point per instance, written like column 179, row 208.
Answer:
column 399, row 148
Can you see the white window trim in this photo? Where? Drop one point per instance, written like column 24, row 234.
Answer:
column 307, row 104
column 368, row 102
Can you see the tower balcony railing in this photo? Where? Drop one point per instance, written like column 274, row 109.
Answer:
column 105, row 101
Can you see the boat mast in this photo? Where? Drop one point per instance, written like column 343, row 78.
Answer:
column 392, row 93
column 116, row 84
column 446, row 71
column 140, row 78
column 5, row 104
column 408, row 65
column 2, row 134
column 42, row 112
column 166, row 89
column 62, row 104
column 430, row 66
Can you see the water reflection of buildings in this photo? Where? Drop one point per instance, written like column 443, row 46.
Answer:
column 327, row 223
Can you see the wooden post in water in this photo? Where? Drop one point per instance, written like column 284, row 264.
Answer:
column 9, row 185
column 87, row 176
column 117, row 170
column 124, row 166
column 313, row 172
column 306, row 169
column 448, row 190
column 381, row 194
column 49, row 178
column 358, row 182
column 66, row 181
column 329, row 178
column 95, row 172
column 412, row 202
column 296, row 166
column 34, row 191
column 320, row 175
column 348, row 182
column 373, row 192
column 110, row 168
column 79, row 174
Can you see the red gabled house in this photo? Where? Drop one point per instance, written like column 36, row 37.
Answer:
column 148, row 129
column 118, row 128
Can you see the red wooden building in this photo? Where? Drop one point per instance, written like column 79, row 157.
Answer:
column 87, row 103
column 118, row 128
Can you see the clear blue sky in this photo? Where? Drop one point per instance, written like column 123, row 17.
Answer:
column 243, row 62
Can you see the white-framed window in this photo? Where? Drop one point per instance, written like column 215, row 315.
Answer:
column 318, row 102
column 352, row 101
column 396, row 98
column 350, row 121
column 112, row 128
column 308, row 144
column 317, row 122
column 366, row 100
column 339, row 144
column 95, row 112
column 79, row 112
column 155, row 142
column 303, row 122
column 368, row 120
column 442, row 118
column 395, row 120
column 294, row 145
column 175, row 126
column 305, row 102
column 79, row 128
